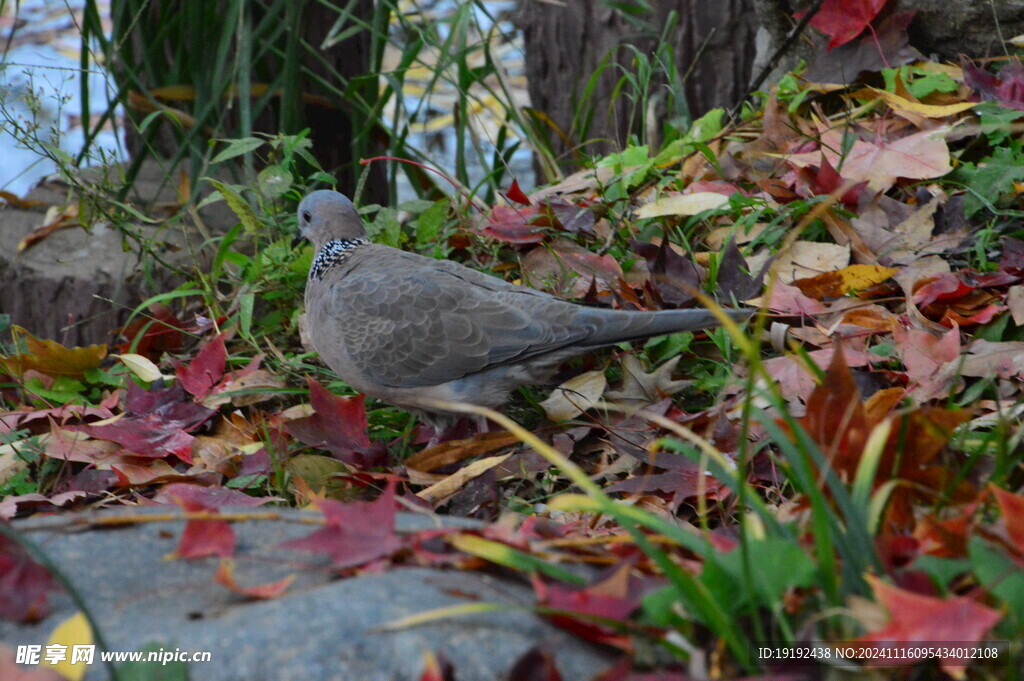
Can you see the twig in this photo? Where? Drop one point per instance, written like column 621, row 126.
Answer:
column 791, row 38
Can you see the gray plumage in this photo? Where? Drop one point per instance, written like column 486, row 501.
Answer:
column 411, row 330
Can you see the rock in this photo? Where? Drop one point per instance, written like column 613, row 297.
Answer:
column 321, row 628
column 77, row 285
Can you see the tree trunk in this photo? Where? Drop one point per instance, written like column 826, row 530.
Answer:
column 711, row 47
column 302, row 101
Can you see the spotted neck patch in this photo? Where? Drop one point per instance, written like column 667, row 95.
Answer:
column 334, row 252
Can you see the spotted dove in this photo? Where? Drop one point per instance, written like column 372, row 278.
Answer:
column 411, row 330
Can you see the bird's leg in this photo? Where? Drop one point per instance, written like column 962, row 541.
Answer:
column 480, row 423
column 445, row 428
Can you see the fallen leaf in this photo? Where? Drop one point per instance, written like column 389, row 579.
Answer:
column 640, row 388
column 24, row 584
column 205, row 370
column 1006, row 88
column 789, row 300
column 55, row 219
column 808, row 259
column 841, row 282
column 897, row 103
column 444, row 488
column 575, row 397
column 142, row 367
column 521, row 225
column 72, row 632
column 1015, row 303
column 683, row 205
column 673, row 277
column 454, row 451
column 154, row 334
column 920, row 156
column 844, row 20
column 50, row 357
column 612, row 596
column 226, row 577
column 338, row 425
column 988, row 359
column 354, row 533
column 931, row 360
column 914, row 618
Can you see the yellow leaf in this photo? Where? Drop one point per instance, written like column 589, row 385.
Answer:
column 72, row 632
column 142, row 367
column 840, row 282
column 574, row 502
column 50, row 357
column 454, row 482
column 494, row 551
column 898, row 103
column 683, row 204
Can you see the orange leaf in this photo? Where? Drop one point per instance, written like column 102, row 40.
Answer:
column 840, row 282
column 226, row 577
column 1012, row 506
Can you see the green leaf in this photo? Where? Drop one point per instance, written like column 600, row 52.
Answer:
column 65, row 390
column 996, row 120
column 727, row 574
column 990, row 179
column 706, row 127
column 237, row 147
column 240, row 206
column 274, row 181
column 930, row 83
column 21, row 482
column 634, row 159
column 385, row 228
column 430, row 222
column 999, row 574
column 942, row 570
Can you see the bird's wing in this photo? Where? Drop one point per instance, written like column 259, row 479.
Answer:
column 406, row 321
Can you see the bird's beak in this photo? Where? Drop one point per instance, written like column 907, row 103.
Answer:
column 297, row 240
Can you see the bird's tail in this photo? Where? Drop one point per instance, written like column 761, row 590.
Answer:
column 621, row 326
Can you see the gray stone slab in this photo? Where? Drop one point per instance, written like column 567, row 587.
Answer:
column 322, row 628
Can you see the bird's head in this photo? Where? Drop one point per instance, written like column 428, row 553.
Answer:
column 325, row 215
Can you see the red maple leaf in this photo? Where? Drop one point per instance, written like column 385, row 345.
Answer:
column 613, row 596
column 914, row 618
column 338, row 425
column 152, row 336
column 354, row 533
column 515, row 193
column 205, row 371
column 843, row 20
column 516, row 225
column 202, row 538
column 24, row 584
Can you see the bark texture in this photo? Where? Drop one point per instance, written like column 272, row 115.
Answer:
column 566, row 44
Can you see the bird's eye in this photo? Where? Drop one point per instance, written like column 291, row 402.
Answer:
column 306, row 216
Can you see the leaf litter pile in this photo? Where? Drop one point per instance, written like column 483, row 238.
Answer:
column 846, row 469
